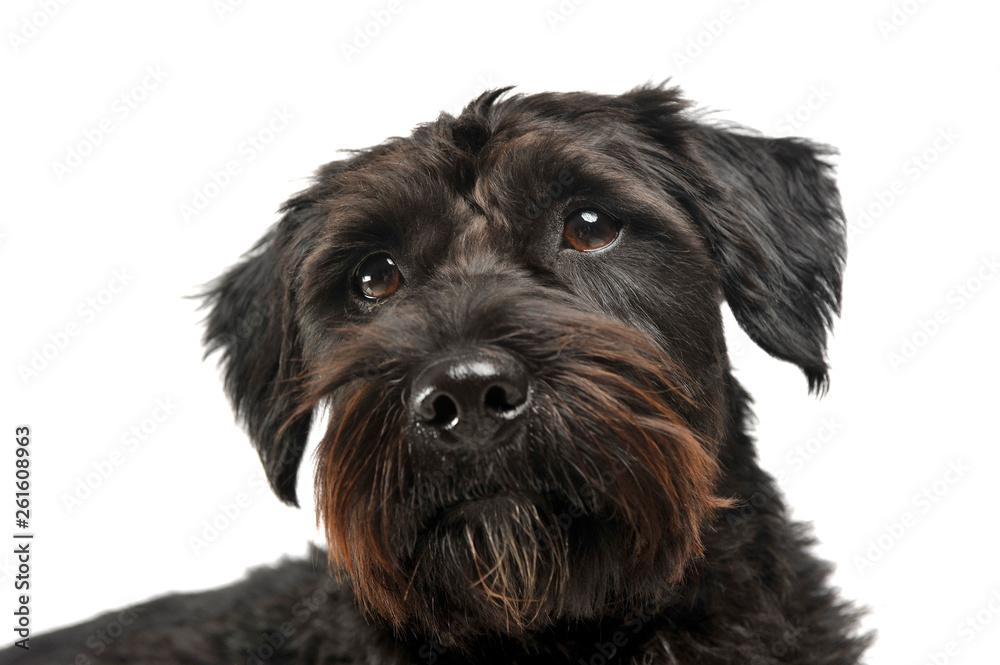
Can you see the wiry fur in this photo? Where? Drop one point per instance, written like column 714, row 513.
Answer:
column 387, row 503
column 622, row 517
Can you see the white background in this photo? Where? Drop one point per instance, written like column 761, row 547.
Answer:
column 885, row 94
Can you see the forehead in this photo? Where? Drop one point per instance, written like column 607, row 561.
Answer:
column 503, row 172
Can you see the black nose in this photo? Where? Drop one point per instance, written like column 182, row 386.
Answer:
column 470, row 395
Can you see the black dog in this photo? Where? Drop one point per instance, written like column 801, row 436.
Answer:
column 536, row 451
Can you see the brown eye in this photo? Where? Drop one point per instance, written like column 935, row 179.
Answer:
column 378, row 276
column 589, row 229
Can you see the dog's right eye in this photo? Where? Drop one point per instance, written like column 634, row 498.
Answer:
column 378, row 276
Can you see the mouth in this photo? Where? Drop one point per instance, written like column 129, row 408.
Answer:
column 483, row 508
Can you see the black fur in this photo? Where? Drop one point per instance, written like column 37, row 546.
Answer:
column 619, row 515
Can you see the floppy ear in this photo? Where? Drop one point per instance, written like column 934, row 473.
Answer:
column 252, row 322
column 779, row 238
column 770, row 212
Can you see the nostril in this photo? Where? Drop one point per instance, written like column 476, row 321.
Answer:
column 445, row 411
column 496, row 399
column 501, row 399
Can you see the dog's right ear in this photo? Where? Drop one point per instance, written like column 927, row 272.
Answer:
column 252, row 322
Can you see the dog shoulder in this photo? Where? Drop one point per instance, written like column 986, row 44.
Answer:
column 276, row 613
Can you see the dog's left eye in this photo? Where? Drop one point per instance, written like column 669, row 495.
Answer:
column 589, row 229
column 378, row 276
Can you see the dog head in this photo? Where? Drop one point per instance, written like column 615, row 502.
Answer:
column 514, row 319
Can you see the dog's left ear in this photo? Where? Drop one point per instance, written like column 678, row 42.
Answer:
column 771, row 214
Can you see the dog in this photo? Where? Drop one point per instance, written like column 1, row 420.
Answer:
column 536, row 450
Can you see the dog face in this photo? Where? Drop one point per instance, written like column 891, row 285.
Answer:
column 514, row 317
